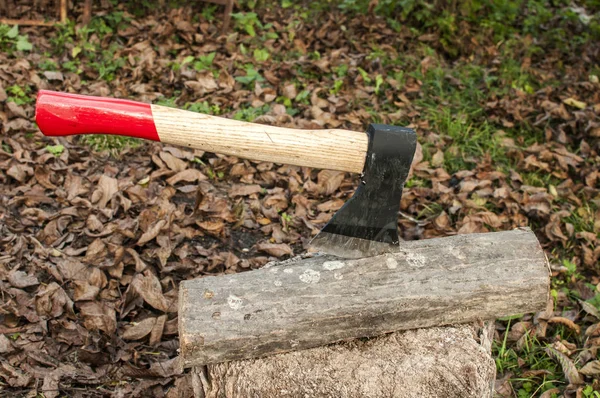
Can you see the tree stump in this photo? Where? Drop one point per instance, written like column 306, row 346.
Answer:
column 453, row 361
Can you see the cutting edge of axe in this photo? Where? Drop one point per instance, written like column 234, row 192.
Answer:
column 366, row 225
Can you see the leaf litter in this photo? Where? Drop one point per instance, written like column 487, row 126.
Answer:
column 93, row 247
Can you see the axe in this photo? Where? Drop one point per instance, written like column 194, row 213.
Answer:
column 367, row 223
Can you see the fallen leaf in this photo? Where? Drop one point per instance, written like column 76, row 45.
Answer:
column 99, row 316
column 591, row 368
column 275, row 249
column 21, row 280
column 244, row 190
column 567, row 365
column 140, row 329
column 575, row 103
column 152, row 232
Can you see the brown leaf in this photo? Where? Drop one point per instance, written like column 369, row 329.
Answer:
column 50, row 75
column 20, row 279
column 330, row 180
column 19, row 172
column 13, row 376
column 71, row 268
column 590, row 309
column 149, row 288
column 84, row 291
column 139, row 330
column 437, row 159
column 95, row 252
column 6, row 346
column 244, row 190
column 16, row 110
column 289, row 91
column 99, row 316
column 567, row 365
column 52, row 301
column 591, row 369
column 213, row 227
column 157, row 330
column 275, row 249
column 188, row 175
column 152, row 232
column 107, row 187
column 172, row 162
column 565, row 321
column 331, row 205
column 42, row 175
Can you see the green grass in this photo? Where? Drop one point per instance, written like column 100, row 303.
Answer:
column 532, row 357
column 113, row 144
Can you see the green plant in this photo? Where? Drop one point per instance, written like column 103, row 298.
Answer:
column 208, row 12
column 203, row 107
column 113, row 144
column 246, row 21
column 48, row 65
column 56, row 150
column 252, row 75
column 19, row 94
column 11, row 40
column 204, row 62
column 249, row 114
column 261, row 54
column 337, row 86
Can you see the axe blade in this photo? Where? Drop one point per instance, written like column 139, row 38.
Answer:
column 367, row 224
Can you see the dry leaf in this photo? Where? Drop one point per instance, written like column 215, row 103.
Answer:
column 152, row 232
column 567, row 365
column 591, row 369
column 21, row 280
column 575, row 103
column 140, row 329
column 275, row 249
column 244, row 190
column 99, row 316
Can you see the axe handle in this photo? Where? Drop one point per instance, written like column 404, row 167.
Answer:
column 62, row 114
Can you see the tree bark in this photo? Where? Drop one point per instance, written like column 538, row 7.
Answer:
column 321, row 300
column 452, row 361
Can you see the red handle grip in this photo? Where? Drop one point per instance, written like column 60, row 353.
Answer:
column 61, row 114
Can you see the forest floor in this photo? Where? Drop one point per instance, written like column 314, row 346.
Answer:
column 97, row 232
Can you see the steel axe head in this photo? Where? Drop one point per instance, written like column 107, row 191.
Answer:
column 367, row 224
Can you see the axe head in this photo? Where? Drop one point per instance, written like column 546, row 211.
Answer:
column 367, row 224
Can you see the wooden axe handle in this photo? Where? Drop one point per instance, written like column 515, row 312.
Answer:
column 61, row 114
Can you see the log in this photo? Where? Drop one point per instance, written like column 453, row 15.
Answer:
column 317, row 301
column 452, row 361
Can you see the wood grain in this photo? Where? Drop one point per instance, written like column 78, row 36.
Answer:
column 321, row 300
column 332, row 149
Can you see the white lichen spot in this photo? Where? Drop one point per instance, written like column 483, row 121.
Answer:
column 415, row 260
column 235, row 302
column 391, row 263
column 288, row 270
column 338, row 276
column 331, row 265
column 310, row 276
column 277, row 283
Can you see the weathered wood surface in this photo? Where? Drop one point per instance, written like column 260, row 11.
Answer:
column 317, row 301
column 452, row 361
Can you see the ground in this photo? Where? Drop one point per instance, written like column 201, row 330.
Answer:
column 96, row 232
